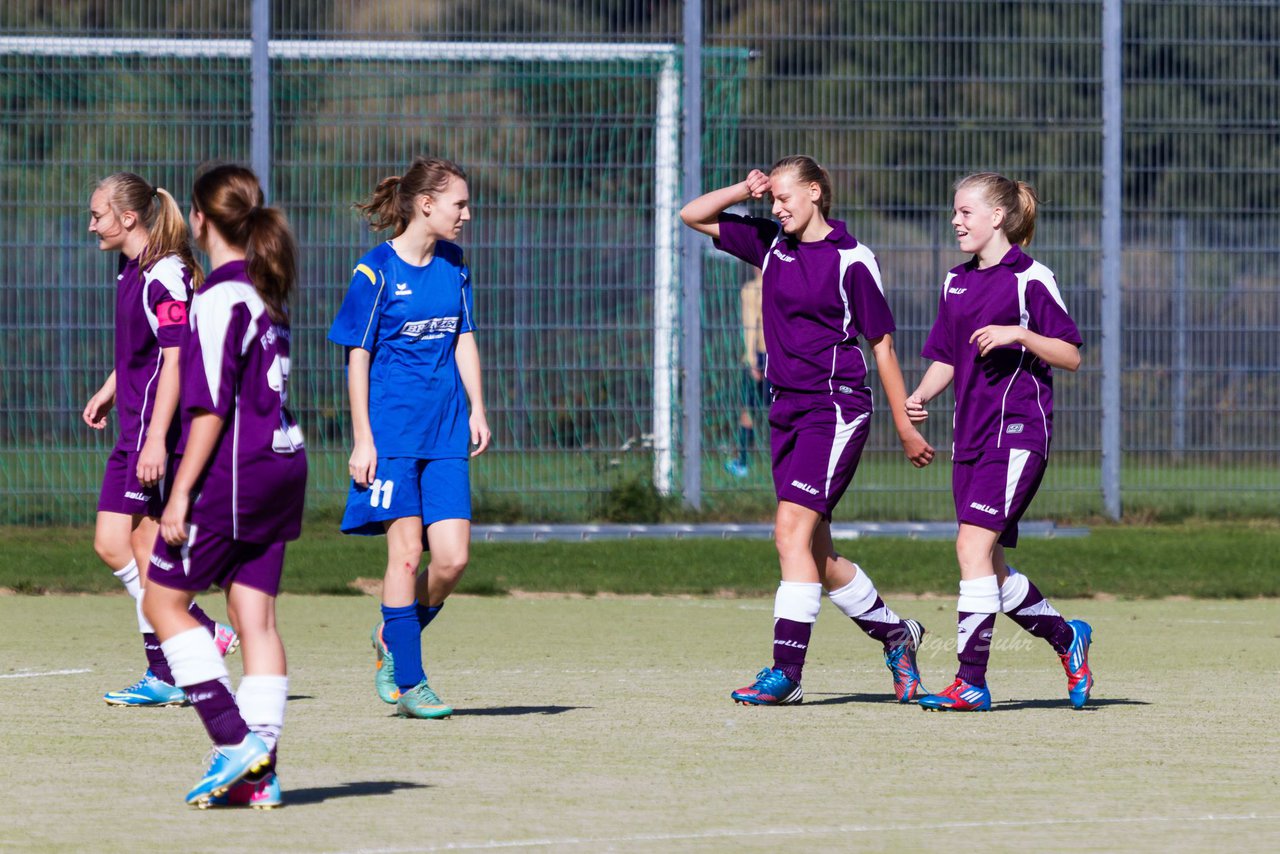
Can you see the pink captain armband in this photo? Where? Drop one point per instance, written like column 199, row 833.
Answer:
column 171, row 313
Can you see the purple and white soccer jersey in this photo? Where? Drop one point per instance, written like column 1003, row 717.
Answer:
column 236, row 365
column 151, row 315
column 1004, row 400
column 818, row 297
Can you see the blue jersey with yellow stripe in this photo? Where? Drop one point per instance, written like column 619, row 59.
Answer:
column 409, row 318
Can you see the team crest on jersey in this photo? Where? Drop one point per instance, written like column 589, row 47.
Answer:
column 436, row 327
column 403, row 289
column 1013, row 428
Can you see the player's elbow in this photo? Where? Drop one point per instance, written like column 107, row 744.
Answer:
column 1072, row 361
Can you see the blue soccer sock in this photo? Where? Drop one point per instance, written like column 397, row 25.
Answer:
column 426, row 613
column 400, row 633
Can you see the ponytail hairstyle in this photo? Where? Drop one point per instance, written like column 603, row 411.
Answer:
column 1017, row 198
column 159, row 214
column 808, row 171
column 391, row 205
column 230, row 198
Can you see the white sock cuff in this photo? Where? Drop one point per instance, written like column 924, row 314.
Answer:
column 128, row 576
column 1014, row 591
column 979, row 595
column 193, row 657
column 798, row 601
column 262, row 700
column 856, row 597
column 144, row 625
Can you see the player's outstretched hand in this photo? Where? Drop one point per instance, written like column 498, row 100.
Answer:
column 173, row 524
column 917, row 449
column 480, row 434
column 363, row 464
column 757, row 183
column 915, row 409
column 95, row 411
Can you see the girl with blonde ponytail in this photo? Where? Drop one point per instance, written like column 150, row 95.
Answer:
column 153, row 287
column 1002, row 328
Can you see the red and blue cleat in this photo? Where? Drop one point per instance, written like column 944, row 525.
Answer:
column 960, row 697
column 771, row 688
column 1075, row 661
column 901, row 661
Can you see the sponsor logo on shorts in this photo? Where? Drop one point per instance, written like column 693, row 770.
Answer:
column 804, row 487
column 844, row 389
column 778, row 253
column 956, row 291
column 403, row 289
column 137, row 496
column 985, row 508
column 1013, row 428
column 156, row 560
column 436, row 327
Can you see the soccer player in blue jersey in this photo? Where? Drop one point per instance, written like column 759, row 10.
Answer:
column 144, row 226
column 417, row 414
column 1002, row 328
column 238, row 493
column 821, row 291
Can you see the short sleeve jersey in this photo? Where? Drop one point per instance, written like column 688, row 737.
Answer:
column 818, row 297
column 151, row 314
column 1006, row 399
column 236, row 365
column 409, row 318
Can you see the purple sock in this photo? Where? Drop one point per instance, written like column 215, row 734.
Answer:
column 974, row 644
column 401, row 634
column 1041, row 619
column 218, row 712
column 790, row 643
column 156, row 662
column 203, row 619
column 883, row 625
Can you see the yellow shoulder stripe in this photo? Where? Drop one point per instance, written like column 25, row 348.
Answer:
column 361, row 268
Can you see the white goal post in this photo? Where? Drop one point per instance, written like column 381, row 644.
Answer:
column 666, row 169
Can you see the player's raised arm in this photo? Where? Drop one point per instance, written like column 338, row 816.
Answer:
column 702, row 214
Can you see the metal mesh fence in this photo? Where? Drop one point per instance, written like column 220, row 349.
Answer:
column 898, row 99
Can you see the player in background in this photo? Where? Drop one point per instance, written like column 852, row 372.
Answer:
column 1001, row 328
column 237, row 496
column 153, row 286
column 755, row 390
column 417, row 415
column 821, row 291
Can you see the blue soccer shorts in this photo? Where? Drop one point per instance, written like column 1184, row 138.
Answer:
column 402, row 487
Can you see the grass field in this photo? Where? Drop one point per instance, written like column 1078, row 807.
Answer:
column 1235, row 560
column 604, row 725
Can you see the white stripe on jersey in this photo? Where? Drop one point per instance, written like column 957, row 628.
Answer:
column 168, row 272
column 844, row 432
column 211, row 316
column 1017, row 464
column 848, row 257
column 946, row 285
column 1038, row 272
column 146, row 395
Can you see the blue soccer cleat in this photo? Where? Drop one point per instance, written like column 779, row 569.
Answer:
column 421, row 702
column 384, row 674
column 960, row 697
column 737, row 468
column 771, row 688
column 1075, row 661
column 228, row 765
column 262, row 795
column 147, row 691
column 900, row 658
